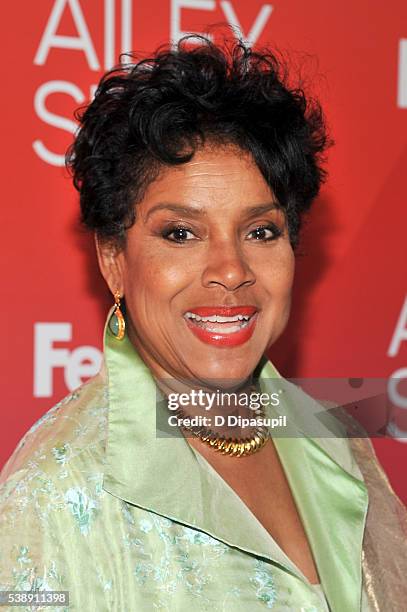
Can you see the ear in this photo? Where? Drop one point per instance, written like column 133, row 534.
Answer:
column 110, row 260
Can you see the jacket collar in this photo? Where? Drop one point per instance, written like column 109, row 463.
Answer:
column 167, row 476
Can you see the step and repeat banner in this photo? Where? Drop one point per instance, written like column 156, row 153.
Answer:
column 349, row 312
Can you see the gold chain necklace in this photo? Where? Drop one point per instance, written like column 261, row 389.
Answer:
column 240, row 447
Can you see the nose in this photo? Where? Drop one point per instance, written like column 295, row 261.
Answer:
column 227, row 266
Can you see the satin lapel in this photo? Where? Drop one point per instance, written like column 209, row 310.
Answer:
column 328, row 488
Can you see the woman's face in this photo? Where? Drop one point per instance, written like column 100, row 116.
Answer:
column 209, row 243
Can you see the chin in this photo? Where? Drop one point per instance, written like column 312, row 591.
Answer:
column 223, row 374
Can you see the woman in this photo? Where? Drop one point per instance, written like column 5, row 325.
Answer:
column 194, row 168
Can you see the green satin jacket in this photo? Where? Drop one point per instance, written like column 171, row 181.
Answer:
column 94, row 503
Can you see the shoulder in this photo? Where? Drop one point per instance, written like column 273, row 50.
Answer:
column 50, row 491
column 68, row 436
column 362, row 450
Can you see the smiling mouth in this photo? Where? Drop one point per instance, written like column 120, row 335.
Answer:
column 222, row 326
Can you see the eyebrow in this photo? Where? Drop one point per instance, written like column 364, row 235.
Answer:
column 253, row 211
column 194, row 211
column 186, row 210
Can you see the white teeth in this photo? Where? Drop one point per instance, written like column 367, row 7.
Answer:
column 220, row 319
column 217, row 318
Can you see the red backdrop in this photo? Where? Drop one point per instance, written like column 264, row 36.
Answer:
column 348, row 317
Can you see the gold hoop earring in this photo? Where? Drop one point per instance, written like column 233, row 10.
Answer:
column 117, row 324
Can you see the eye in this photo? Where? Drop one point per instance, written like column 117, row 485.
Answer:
column 266, row 233
column 178, row 234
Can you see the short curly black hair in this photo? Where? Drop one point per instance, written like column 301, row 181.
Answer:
column 156, row 112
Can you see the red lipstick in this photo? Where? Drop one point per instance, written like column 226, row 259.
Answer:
column 222, row 326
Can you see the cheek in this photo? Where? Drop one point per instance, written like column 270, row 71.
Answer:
column 277, row 273
column 284, row 287
column 155, row 277
column 286, row 275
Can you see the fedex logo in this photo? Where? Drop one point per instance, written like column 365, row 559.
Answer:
column 78, row 364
